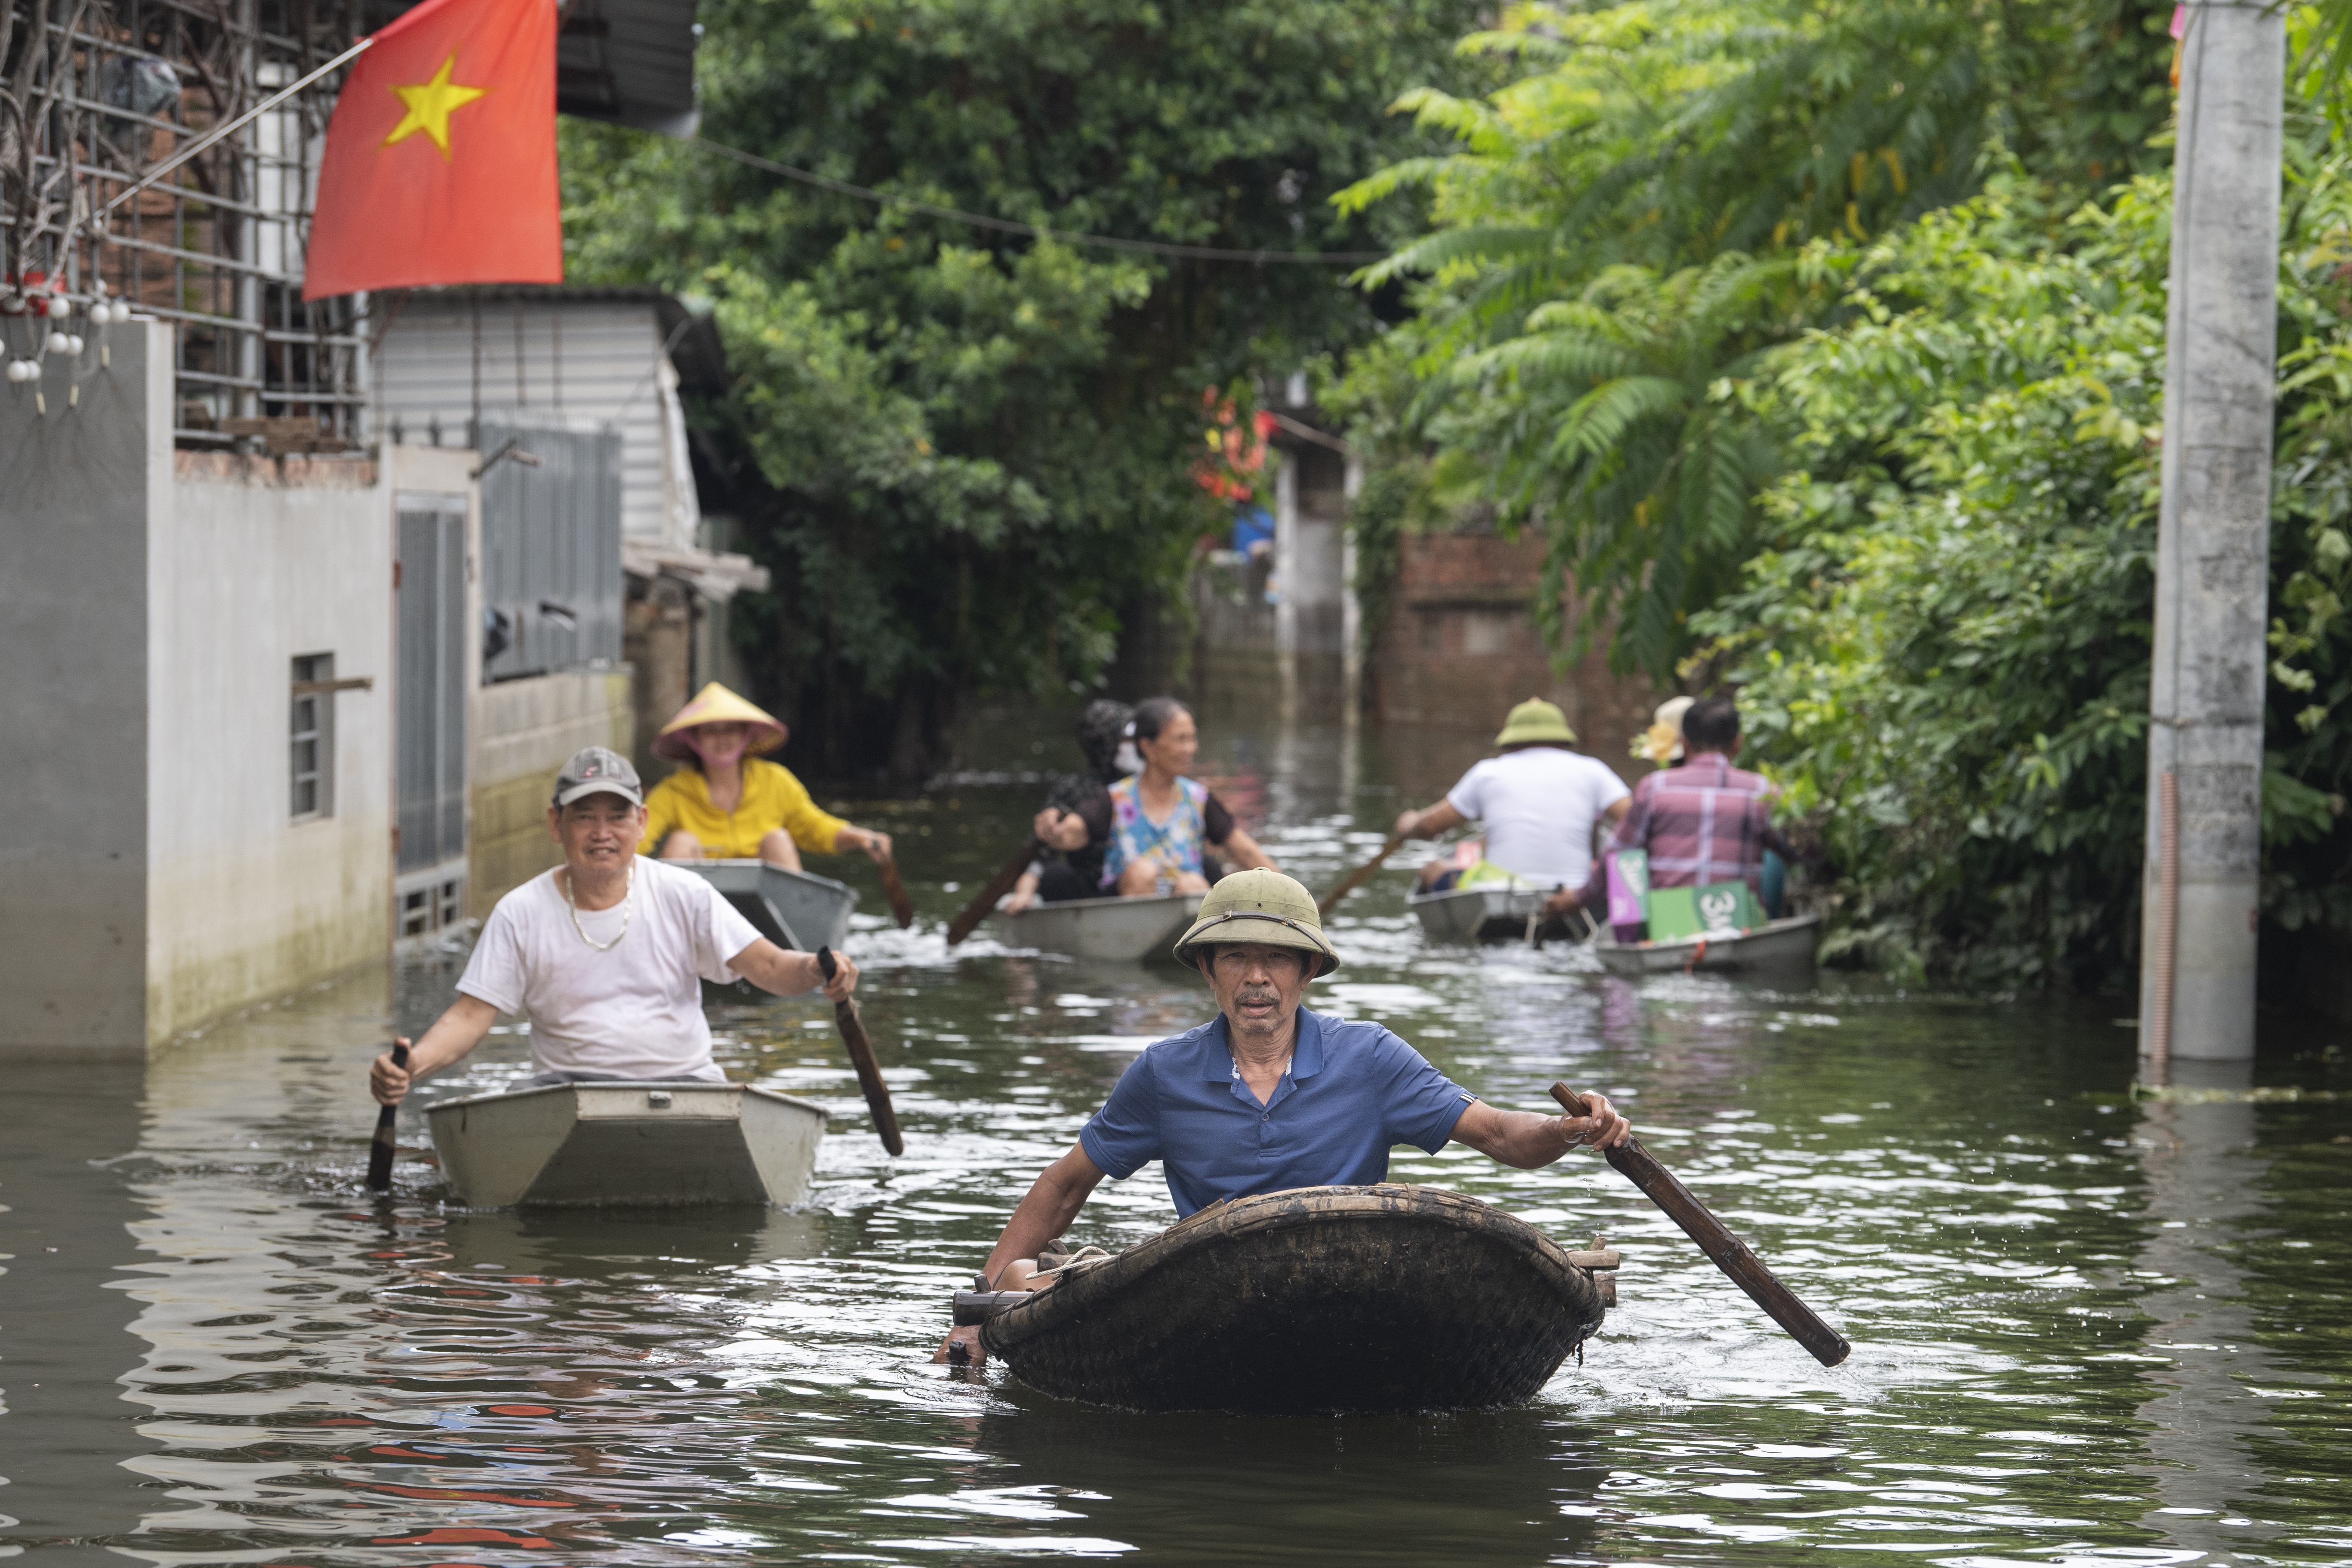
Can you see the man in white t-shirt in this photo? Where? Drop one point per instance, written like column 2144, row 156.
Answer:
column 1539, row 802
column 606, row 953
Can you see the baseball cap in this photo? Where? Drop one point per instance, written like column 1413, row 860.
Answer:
column 594, row 769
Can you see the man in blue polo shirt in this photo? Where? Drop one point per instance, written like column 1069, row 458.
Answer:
column 1267, row 1096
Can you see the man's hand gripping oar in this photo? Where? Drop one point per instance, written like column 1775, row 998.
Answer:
column 1727, row 1250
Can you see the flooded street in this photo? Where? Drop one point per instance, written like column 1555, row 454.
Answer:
column 2087, row 1329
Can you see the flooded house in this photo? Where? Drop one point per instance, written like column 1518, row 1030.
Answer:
column 295, row 645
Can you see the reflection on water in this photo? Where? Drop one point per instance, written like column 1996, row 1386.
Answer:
column 2085, row 1330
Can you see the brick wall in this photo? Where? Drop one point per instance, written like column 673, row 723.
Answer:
column 1461, row 645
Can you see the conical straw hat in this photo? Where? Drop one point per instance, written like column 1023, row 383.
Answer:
column 714, row 704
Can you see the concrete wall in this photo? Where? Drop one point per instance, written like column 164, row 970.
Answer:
column 80, row 484
column 524, row 730
column 1461, row 645
column 256, row 561
column 152, row 604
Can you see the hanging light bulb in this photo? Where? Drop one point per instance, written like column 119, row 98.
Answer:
column 73, row 344
column 60, row 307
column 57, row 342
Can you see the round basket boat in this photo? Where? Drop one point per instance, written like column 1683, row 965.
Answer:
column 1316, row 1300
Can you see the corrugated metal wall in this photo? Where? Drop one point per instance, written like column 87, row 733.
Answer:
column 593, row 359
column 551, row 546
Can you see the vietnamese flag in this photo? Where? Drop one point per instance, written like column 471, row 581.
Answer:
column 440, row 160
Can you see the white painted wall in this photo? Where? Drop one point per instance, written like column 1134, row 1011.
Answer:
column 598, row 359
column 248, row 566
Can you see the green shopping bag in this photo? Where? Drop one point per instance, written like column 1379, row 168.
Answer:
column 1719, row 909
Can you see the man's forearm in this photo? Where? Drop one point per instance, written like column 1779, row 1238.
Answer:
column 780, row 973
column 458, row 1029
column 1043, row 1215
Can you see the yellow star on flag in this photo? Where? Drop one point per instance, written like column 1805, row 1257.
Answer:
column 430, row 104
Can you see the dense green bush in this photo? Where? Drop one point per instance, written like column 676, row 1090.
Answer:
column 1943, row 647
column 1617, row 234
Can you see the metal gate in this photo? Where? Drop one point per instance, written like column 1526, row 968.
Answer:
column 551, row 546
column 430, row 743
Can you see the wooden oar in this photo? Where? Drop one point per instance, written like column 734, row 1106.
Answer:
column 1356, row 877
column 1728, row 1253
column 902, row 908
column 861, row 1057
column 997, row 886
column 379, row 1176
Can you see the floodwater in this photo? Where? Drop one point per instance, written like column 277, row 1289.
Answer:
column 2087, row 1328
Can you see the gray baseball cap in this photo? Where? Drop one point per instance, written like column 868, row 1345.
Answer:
column 598, row 770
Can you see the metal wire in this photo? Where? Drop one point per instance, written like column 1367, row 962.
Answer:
column 1035, row 231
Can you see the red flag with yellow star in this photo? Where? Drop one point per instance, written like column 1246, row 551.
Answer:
column 440, row 159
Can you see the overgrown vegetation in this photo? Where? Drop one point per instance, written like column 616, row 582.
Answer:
column 1890, row 473
column 966, row 455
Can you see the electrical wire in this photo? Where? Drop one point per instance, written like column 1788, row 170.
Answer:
column 1032, row 231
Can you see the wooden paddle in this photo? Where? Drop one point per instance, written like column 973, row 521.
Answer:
column 997, row 886
column 902, row 908
column 1728, row 1253
column 1356, row 877
column 861, row 1057
column 379, row 1152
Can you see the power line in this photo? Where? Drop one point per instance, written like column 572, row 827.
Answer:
column 1006, row 225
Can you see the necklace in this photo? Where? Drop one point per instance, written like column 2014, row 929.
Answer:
column 628, row 910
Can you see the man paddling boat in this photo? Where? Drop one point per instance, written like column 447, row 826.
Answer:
column 1703, row 821
column 606, row 953
column 1540, row 802
column 1268, row 1096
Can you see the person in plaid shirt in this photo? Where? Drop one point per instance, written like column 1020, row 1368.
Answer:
column 1702, row 822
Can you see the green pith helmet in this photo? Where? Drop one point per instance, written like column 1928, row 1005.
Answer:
column 1258, row 906
column 1536, row 720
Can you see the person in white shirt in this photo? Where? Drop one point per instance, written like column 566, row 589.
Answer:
column 606, row 953
column 1539, row 802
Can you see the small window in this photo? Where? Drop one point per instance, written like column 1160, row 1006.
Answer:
column 312, row 750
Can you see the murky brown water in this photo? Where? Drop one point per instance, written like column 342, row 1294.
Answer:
column 2086, row 1329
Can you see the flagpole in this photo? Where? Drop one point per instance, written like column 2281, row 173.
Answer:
column 217, row 131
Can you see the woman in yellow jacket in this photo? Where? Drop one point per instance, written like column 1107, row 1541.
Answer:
column 727, row 804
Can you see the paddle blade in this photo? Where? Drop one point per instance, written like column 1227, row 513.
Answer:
column 1726, row 1251
column 387, row 1120
column 846, row 1019
column 902, row 908
column 969, row 920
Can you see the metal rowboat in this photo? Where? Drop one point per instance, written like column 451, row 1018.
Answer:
column 1495, row 912
column 792, row 909
column 1781, row 947
column 639, row 1143
column 1121, row 929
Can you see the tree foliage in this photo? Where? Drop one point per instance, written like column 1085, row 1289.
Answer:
column 966, row 455
column 1615, row 238
column 1943, row 647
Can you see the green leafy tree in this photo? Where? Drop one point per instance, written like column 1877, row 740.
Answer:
column 1942, row 646
column 1616, row 229
column 966, row 455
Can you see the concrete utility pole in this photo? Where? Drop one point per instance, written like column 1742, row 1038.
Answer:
column 2212, row 577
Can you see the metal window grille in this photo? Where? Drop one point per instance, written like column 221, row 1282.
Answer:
column 313, row 739
column 104, row 92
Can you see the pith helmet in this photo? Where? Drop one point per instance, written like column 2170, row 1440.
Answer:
column 1536, row 720
column 714, row 704
column 1263, row 906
